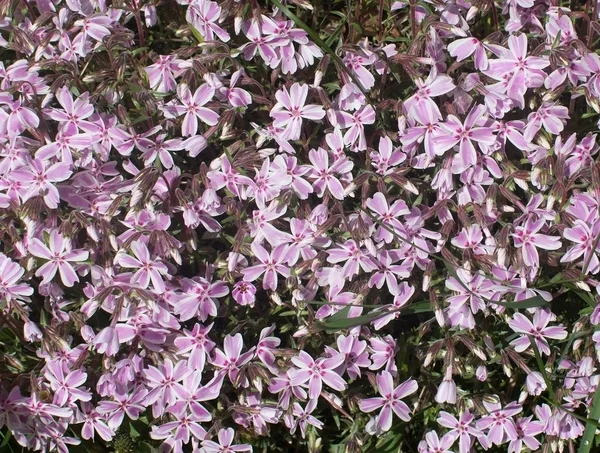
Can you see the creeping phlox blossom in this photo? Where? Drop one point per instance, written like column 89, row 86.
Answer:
column 221, row 231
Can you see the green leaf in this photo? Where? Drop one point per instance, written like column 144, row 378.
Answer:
column 590, row 428
column 531, row 302
column 340, row 320
column 7, row 437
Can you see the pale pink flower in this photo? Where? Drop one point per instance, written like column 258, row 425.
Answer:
column 324, row 174
column 192, row 106
column 528, row 238
column 538, row 330
column 231, row 359
column 291, row 109
column 317, row 372
column 271, row 264
column 149, row 270
column 225, row 437
column 59, row 256
column 390, row 400
column 204, row 15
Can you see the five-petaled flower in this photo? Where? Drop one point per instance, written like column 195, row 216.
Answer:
column 538, row 330
column 390, row 400
column 317, row 372
column 291, row 109
column 59, row 256
column 528, row 238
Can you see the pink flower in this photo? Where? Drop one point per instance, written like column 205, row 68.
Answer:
column 225, row 437
column 355, row 352
column 149, row 270
column 383, row 352
column 528, row 238
column 165, row 385
column 59, row 256
column 388, row 216
column 265, row 348
column 462, row 429
column 551, row 116
column 317, row 372
column 499, row 423
column 10, row 274
column 231, row 358
column 520, row 70
column 323, row 173
column 192, row 107
column 303, row 418
column 130, row 404
column 465, row 47
column 160, row 74
column 73, row 113
column 387, row 157
column 237, row 97
column 390, row 400
column 196, row 344
column 433, row 444
column 20, row 118
column 465, row 134
column 355, row 135
column 271, row 264
column 203, row 15
column 434, row 85
column 244, row 293
column 65, row 383
column 107, row 341
column 357, row 63
column 584, row 237
column 353, row 257
column 39, row 178
column 538, row 330
column 526, row 432
column 290, row 110
column 200, row 298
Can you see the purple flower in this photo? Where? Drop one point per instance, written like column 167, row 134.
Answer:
column 225, row 437
column 390, row 400
column 59, row 256
column 149, row 270
column 317, row 372
column 231, row 358
column 65, row 383
column 271, row 264
column 291, row 109
column 538, row 329
column 462, row 429
column 192, row 106
column 528, row 238
column 464, row 134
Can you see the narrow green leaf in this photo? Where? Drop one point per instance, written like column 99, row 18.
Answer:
column 590, row 427
column 531, row 302
column 340, row 320
column 7, row 437
column 542, row 368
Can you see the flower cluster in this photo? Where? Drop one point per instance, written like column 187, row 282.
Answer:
column 222, row 229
